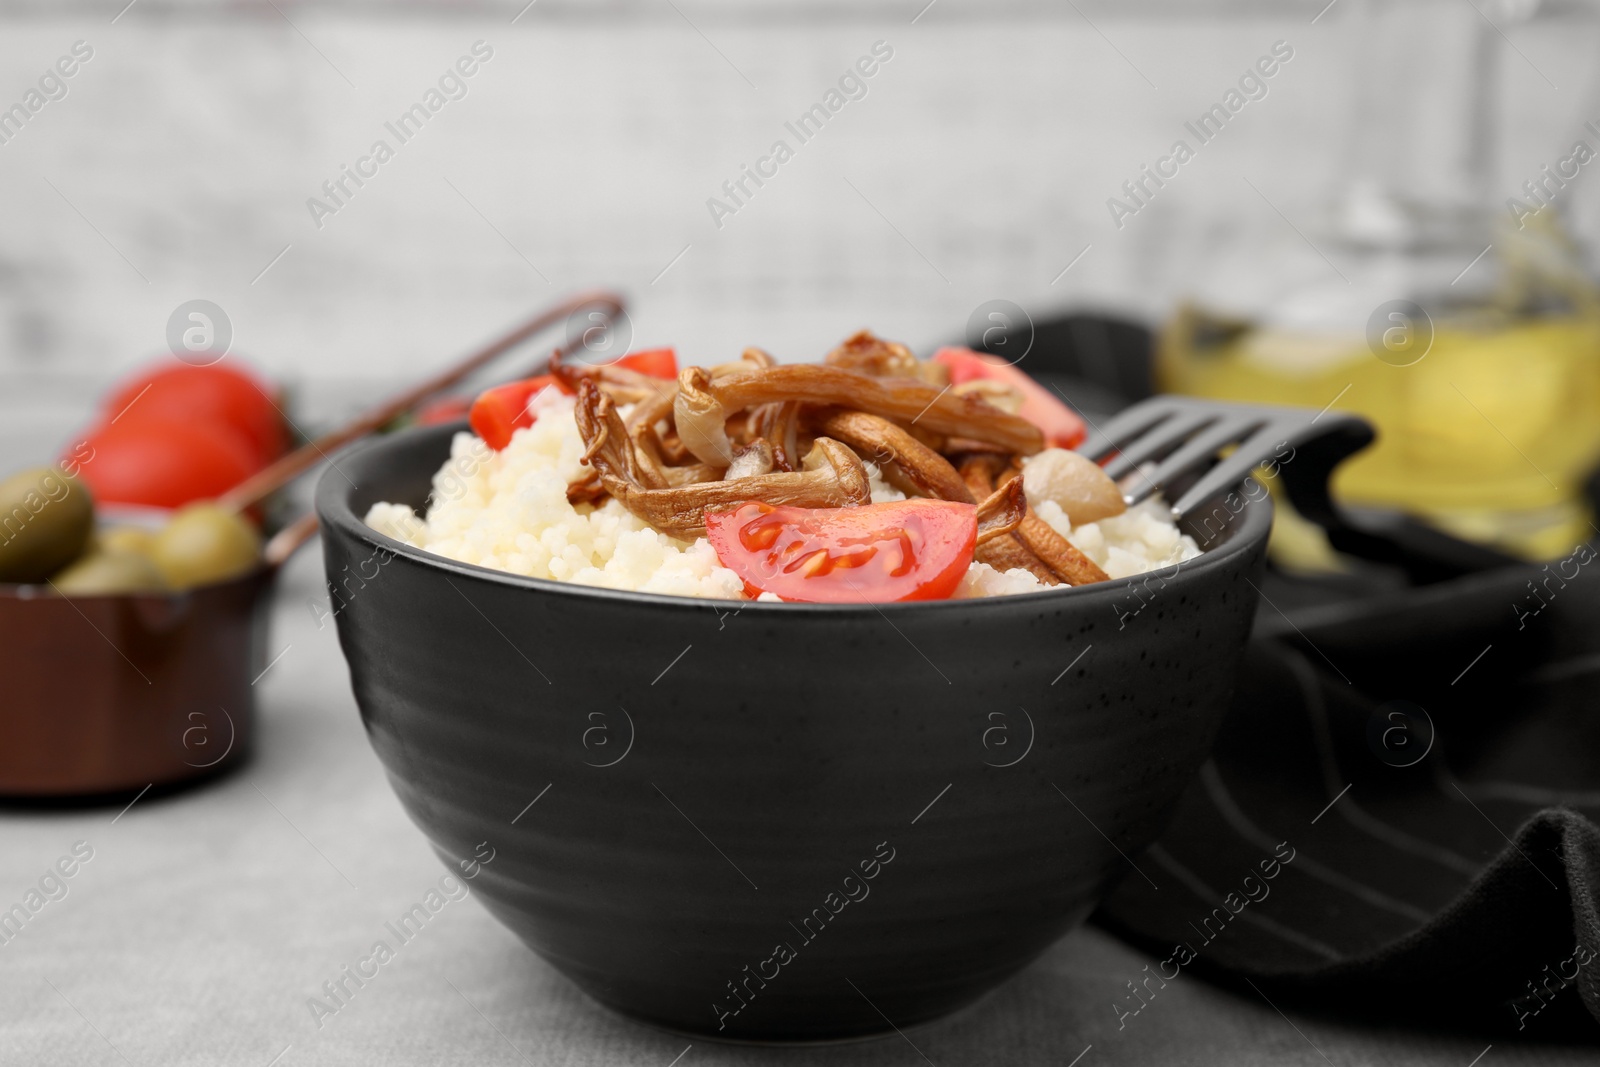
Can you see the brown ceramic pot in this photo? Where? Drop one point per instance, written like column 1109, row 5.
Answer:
column 105, row 694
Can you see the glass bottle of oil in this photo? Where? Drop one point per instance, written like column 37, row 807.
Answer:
column 1486, row 396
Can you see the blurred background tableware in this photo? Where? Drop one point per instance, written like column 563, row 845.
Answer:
column 1464, row 323
column 133, row 607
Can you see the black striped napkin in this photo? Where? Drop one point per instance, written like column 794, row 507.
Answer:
column 1398, row 817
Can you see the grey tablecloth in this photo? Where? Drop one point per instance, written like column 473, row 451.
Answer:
column 206, row 919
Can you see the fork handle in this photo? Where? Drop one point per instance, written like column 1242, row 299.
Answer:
column 1426, row 555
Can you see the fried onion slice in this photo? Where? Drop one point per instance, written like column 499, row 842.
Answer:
column 702, row 417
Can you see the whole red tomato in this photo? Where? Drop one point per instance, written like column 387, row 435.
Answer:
column 163, row 464
column 222, row 393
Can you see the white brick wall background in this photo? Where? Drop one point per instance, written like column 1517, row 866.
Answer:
column 977, row 166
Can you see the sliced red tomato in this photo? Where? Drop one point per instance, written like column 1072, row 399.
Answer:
column 904, row 550
column 164, row 464
column 656, row 362
column 502, row 411
column 1062, row 426
column 222, row 393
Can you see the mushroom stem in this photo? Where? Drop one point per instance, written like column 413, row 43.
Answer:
column 907, row 464
column 833, row 476
column 1006, row 553
column 1063, row 557
column 780, row 424
column 901, row 399
column 1002, row 511
column 650, row 411
column 1059, row 554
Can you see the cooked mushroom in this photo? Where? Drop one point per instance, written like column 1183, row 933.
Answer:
column 585, row 489
column 866, row 352
column 907, row 464
column 1063, row 557
column 608, row 448
column 692, row 474
column 625, row 386
column 1010, row 554
column 1002, row 553
column 1005, row 397
column 779, row 424
column 650, row 411
column 833, row 475
column 750, row 359
column 752, row 460
column 1001, row 512
column 1059, row 554
column 707, row 402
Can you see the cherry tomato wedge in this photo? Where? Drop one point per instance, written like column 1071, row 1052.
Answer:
column 503, row 410
column 903, row 550
column 1061, row 425
column 221, row 393
column 656, row 362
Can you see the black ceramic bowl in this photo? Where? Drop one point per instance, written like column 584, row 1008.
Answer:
column 776, row 821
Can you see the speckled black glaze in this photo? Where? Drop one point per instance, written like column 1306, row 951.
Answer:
column 759, row 756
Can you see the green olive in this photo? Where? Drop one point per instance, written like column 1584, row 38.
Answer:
column 204, row 543
column 125, row 540
column 46, row 517
column 106, row 573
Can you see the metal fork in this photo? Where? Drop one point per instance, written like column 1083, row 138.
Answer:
column 1180, row 434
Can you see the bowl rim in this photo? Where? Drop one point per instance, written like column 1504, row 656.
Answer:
column 1250, row 528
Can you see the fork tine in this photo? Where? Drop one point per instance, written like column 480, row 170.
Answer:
column 1199, row 449
column 1250, row 454
column 1137, row 420
column 1163, row 438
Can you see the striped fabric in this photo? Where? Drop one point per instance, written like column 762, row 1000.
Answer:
column 1398, row 819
